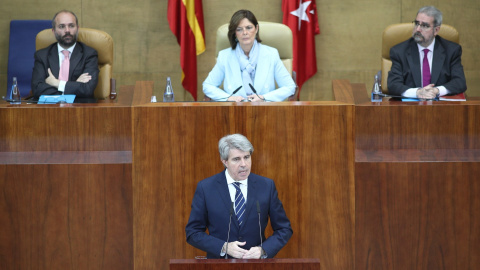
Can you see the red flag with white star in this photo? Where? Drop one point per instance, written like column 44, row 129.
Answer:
column 301, row 17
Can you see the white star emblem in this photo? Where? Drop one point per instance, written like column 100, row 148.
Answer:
column 301, row 13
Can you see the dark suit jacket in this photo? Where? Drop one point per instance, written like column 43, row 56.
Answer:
column 83, row 60
column 211, row 209
column 447, row 69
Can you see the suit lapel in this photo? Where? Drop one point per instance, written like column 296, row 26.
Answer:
column 53, row 60
column 251, row 195
column 413, row 59
column 438, row 60
column 75, row 59
column 224, row 194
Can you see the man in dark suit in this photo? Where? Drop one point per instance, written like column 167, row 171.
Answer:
column 234, row 206
column 81, row 77
column 426, row 65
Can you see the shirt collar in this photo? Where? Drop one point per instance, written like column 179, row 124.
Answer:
column 60, row 48
column 430, row 47
column 231, row 181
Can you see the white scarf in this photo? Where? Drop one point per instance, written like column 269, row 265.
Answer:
column 247, row 65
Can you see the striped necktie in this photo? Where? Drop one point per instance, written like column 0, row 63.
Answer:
column 239, row 203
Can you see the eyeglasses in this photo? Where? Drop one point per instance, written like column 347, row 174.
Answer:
column 423, row 26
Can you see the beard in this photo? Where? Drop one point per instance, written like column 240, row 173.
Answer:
column 66, row 40
column 420, row 39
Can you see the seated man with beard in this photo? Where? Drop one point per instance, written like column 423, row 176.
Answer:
column 426, row 65
column 67, row 66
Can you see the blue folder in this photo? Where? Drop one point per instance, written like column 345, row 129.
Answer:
column 48, row 99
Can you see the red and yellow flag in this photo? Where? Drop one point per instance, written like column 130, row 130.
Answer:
column 185, row 18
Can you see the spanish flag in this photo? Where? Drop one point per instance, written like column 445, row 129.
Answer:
column 185, row 18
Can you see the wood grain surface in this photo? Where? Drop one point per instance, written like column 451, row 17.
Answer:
column 78, row 127
column 366, row 185
column 66, row 216
column 307, row 150
column 397, row 125
column 235, row 264
column 417, row 215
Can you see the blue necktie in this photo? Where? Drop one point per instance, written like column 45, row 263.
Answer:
column 239, row 203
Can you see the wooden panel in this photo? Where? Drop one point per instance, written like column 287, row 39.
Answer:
column 307, row 148
column 235, row 264
column 396, row 125
column 66, row 217
column 143, row 93
column 66, row 157
column 76, row 127
column 342, row 91
column 417, row 215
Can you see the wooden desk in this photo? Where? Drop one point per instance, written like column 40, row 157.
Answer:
column 65, row 177
column 235, row 264
column 417, row 189
column 365, row 185
column 306, row 147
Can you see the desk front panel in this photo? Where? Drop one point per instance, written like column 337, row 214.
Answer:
column 66, row 186
column 77, row 127
column 306, row 148
column 417, row 215
column 66, row 216
column 417, row 188
column 433, row 126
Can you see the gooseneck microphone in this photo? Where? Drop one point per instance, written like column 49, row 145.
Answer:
column 255, row 92
column 260, row 226
column 233, row 93
column 229, row 224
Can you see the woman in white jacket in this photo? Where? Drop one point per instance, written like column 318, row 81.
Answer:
column 248, row 69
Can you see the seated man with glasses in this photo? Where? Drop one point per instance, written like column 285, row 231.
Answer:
column 426, row 65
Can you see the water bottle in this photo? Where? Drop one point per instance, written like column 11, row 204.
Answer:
column 376, row 97
column 15, row 93
column 168, row 94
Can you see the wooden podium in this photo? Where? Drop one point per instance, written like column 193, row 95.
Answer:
column 234, row 264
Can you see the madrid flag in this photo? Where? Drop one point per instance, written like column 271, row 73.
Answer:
column 185, row 18
column 301, row 17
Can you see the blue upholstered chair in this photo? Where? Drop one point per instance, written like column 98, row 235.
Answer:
column 21, row 50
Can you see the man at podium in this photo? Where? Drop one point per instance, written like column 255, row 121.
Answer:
column 235, row 206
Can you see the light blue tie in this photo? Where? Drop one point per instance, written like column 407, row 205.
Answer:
column 239, row 204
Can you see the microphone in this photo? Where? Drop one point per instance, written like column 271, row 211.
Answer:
column 260, row 226
column 229, row 224
column 255, row 92
column 233, row 93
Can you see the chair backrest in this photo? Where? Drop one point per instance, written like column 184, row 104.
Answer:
column 396, row 33
column 21, row 50
column 100, row 41
column 275, row 35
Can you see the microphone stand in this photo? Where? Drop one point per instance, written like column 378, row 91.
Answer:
column 229, row 225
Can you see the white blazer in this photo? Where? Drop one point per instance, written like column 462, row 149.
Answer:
column 269, row 70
